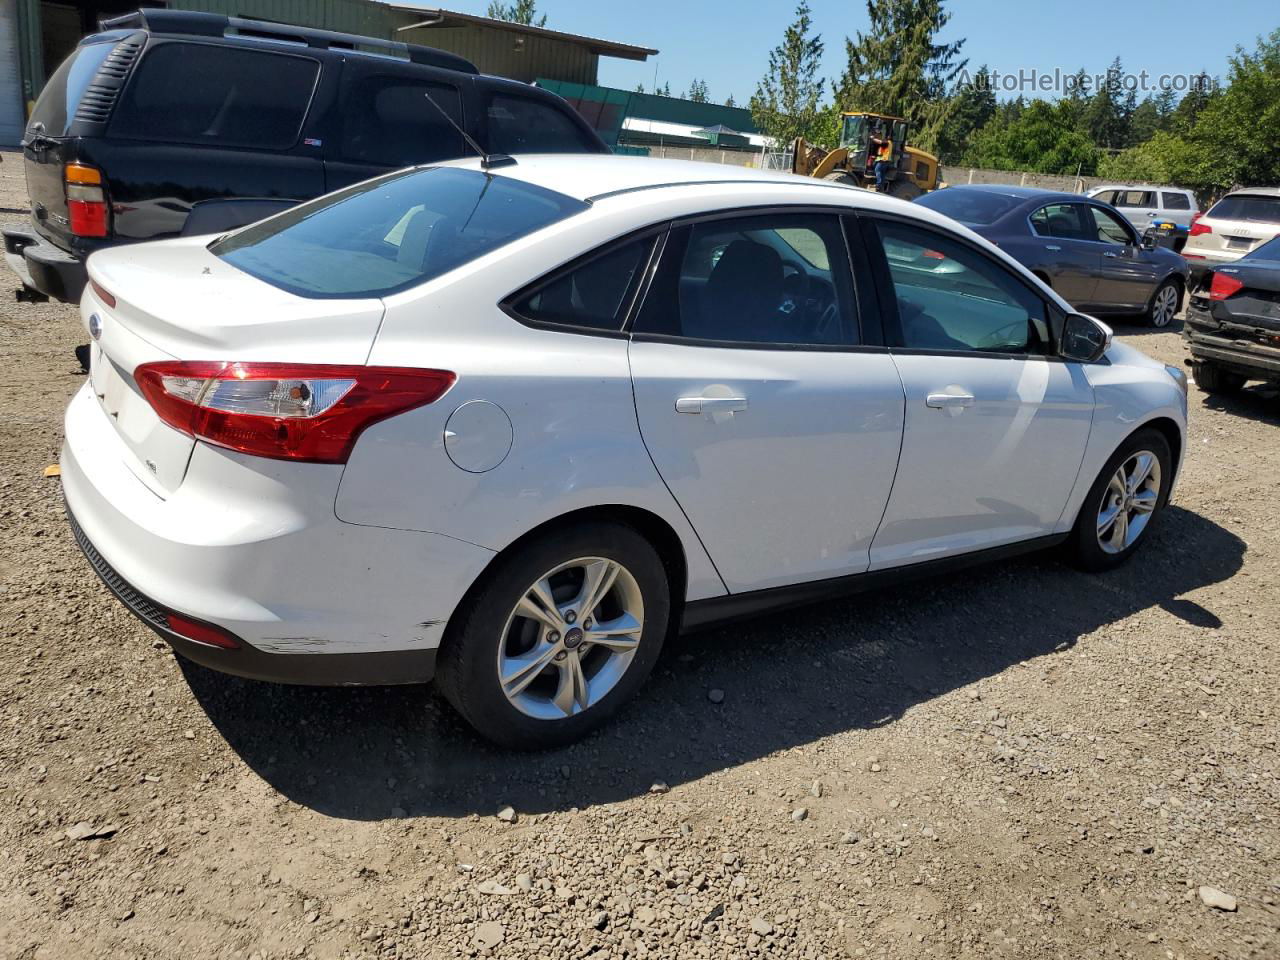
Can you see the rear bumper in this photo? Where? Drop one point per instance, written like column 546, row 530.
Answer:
column 43, row 267
column 253, row 548
column 1202, row 261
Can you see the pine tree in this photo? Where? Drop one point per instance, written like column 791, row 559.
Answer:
column 663, row 91
column 785, row 105
column 522, row 11
column 1104, row 117
column 639, row 88
column 730, row 102
column 972, row 108
column 697, row 91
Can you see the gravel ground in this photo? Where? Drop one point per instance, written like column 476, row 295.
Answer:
column 1021, row 761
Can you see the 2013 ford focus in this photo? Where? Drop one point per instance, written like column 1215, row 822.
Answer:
column 511, row 426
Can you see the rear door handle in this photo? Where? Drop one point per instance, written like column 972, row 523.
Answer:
column 944, row 400
column 711, row 404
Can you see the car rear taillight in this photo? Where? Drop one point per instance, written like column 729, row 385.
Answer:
column 1197, row 228
column 86, row 200
column 288, row 411
column 1223, row 286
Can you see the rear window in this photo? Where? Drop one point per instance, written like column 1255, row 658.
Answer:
column 1134, row 198
column 1246, row 207
column 399, row 122
column 61, row 95
column 970, row 206
column 217, row 95
column 389, row 234
column 1175, row 201
column 523, row 125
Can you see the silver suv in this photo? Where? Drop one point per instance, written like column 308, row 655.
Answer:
column 1144, row 205
column 1237, row 224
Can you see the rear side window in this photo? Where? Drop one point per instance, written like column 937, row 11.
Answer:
column 969, row 206
column 1245, row 207
column 1135, row 198
column 217, row 95
column 523, row 125
column 1106, row 196
column 1175, row 201
column 592, row 294
column 389, row 234
column 61, row 95
column 392, row 121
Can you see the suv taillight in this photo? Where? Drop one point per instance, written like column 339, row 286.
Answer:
column 86, row 200
column 1197, row 227
column 1224, row 286
column 289, row 411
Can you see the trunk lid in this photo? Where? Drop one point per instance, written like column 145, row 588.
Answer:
column 174, row 300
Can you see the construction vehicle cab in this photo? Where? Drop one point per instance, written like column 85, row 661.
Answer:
column 864, row 139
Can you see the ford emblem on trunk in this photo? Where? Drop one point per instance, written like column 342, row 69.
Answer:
column 95, row 326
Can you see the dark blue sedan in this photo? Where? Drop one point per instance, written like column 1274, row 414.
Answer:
column 1081, row 247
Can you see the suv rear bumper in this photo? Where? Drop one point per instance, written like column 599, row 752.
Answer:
column 43, row 267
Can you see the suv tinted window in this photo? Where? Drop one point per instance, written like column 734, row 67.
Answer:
column 591, row 294
column 388, row 120
column 524, row 125
column 61, row 95
column 781, row 279
column 950, row 297
column 391, row 233
column 1175, row 201
column 219, row 95
column 1246, row 207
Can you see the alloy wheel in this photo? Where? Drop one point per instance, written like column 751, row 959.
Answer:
column 1128, row 502
column 1165, row 306
column 570, row 638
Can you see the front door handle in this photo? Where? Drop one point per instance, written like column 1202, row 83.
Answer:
column 944, row 400
column 1052, row 246
column 711, row 404
column 1111, row 255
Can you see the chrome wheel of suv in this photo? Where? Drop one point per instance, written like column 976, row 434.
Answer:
column 570, row 638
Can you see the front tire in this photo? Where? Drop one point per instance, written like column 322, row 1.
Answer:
column 1213, row 379
column 1164, row 304
column 904, row 190
column 1130, row 491
column 559, row 634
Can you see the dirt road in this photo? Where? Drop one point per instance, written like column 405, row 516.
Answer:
column 1020, row 761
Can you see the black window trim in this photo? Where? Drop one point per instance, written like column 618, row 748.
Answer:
column 893, row 325
column 1063, row 203
column 655, row 233
column 859, row 278
column 159, row 42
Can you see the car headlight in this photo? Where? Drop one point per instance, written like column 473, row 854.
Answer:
column 1179, row 376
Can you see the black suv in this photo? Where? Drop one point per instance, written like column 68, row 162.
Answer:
column 172, row 123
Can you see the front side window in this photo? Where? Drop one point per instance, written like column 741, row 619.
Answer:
column 777, row 279
column 397, row 122
column 221, row 96
column 524, row 125
column 952, row 298
column 1060, row 220
column 592, row 294
column 1106, row 227
column 389, row 234
column 1175, row 201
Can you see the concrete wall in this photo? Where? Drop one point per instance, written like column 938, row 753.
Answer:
column 740, row 158
column 955, row 176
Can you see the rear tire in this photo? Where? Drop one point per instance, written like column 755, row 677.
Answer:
column 568, row 680
column 1116, row 507
column 839, row 176
column 1211, row 378
column 1165, row 304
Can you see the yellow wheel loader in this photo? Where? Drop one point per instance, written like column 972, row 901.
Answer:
column 868, row 139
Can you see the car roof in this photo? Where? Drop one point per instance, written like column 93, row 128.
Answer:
column 1255, row 192
column 1018, row 193
column 590, row 177
column 1138, row 186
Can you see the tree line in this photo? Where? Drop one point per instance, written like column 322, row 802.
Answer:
column 1212, row 137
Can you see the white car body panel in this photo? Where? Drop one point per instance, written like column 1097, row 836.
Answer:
column 376, row 555
column 988, row 474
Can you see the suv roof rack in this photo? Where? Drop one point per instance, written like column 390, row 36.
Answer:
column 194, row 24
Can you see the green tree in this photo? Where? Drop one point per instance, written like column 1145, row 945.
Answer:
column 639, row 88
column 697, row 91
column 1104, row 118
column 1038, row 139
column 899, row 67
column 663, row 91
column 1145, row 122
column 730, row 102
column 785, row 105
column 972, row 108
column 521, row 11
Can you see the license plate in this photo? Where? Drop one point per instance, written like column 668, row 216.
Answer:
column 1239, row 243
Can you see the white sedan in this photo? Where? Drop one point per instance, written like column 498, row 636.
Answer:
column 510, row 427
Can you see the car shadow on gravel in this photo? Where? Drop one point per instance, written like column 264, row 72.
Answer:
column 788, row 680
column 1260, row 401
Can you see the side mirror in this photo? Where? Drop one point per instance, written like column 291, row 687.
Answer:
column 1083, row 338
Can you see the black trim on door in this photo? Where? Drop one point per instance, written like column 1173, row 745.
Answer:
column 700, row 614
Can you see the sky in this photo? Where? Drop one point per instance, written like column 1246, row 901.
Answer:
column 728, row 44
